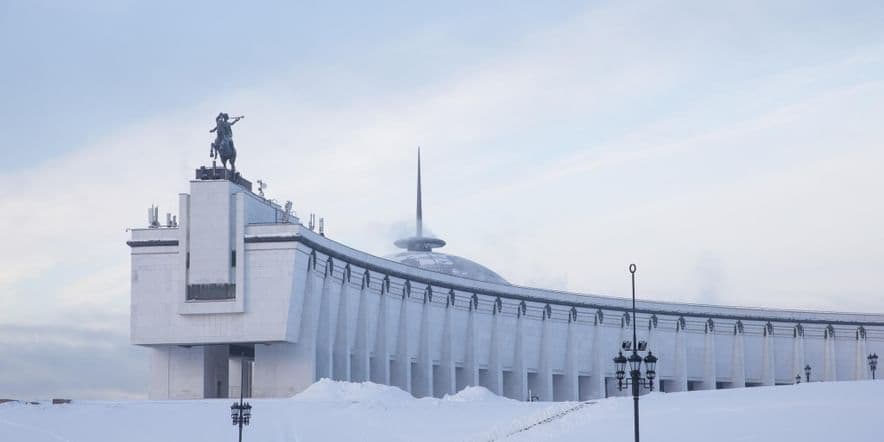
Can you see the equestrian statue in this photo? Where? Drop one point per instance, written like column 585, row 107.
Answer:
column 222, row 147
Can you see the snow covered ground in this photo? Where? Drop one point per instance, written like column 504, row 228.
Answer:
column 816, row 412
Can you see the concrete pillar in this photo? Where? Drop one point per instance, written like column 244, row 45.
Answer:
column 401, row 376
column 544, row 372
column 471, row 360
column 680, row 381
column 361, row 352
column 860, row 365
column 709, row 369
column 325, row 325
column 341, row 349
column 768, row 369
column 655, row 347
column 738, row 364
column 423, row 376
column 797, row 352
column 193, row 372
column 572, row 385
column 380, row 365
column 495, row 366
column 829, row 369
column 447, row 381
column 518, row 388
column 305, row 351
column 599, row 358
column 281, row 370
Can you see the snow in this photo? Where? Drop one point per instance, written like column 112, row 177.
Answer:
column 329, row 410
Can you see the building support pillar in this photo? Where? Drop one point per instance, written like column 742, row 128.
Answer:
column 519, row 387
column 738, row 365
column 680, row 382
column 341, row 352
column 798, row 351
column 709, row 369
column 380, row 364
column 471, row 360
column 402, row 365
column 572, row 385
column 423, row 377
column 495, row 366
column 829, row 368
column 769, row 369
column 361, row 353
column 544, row 372
column 447, row 382
column 599, row 359
column 860, row 366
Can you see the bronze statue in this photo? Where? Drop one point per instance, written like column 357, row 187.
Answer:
column 222, row 147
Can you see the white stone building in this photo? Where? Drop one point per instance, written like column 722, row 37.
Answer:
column 237, row 278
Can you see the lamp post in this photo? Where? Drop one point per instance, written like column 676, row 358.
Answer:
column 873, row 363
column 635, row 362
column 798, row 378
column 241, row 413
column 807, row 373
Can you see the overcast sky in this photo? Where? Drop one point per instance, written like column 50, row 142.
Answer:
column 732, row 150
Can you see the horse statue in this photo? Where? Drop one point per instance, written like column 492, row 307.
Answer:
column 223, row 147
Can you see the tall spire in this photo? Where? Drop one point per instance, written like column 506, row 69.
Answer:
column 419, row 243
column 420, row 215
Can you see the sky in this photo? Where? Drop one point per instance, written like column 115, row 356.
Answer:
column 732, row 150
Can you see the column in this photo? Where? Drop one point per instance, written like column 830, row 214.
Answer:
column 341, row 351
column 768, row 369
column 860, row 365
column 709, row 369
column 495, row 367
column 544, row 372
column 471, row 362
column 738, row 364
column 680, row 382
column 380, row 365
column 829, row 369
column 401, row 375
column 447, row 382
column 599, row 358
column 324, row 325
column 572, row 386
column 423, row 376
column 797, row 351
column 361, row 357
column 519, row 386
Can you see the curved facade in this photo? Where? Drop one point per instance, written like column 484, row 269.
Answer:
column 239, row 280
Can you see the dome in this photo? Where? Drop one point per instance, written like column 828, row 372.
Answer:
column 447, row 264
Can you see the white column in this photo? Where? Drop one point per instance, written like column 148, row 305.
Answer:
column 829, row 369
column 495, row 367
column 860, row 367
column 447, row 382
column 380, row 365
column 324, row 326
column 572, row 386
column 519, row 387
column 738, row 366
column 797, row 351
column 544, row 372
column 599, row 358
column 769, row 367
column 401, row 375
column 471, row 362
column 341, row 350
column 361, row 353
column 302, row 354
column 654, row 347
column 709, row 369
column 681, row 357
column 423, row 376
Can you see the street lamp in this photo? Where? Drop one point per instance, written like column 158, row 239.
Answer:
column 798, row 378
column 635, row 363
column 241, row 413
column 873, row 363
column 807, row 373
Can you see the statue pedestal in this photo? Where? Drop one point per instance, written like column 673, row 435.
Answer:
column 220, row 173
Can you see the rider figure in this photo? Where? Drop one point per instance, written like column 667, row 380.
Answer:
column 223, row 132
